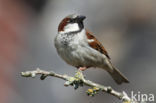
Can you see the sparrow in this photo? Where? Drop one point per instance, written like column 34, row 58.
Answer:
column 79, row 48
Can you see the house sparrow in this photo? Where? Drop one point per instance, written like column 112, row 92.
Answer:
column 79, row 48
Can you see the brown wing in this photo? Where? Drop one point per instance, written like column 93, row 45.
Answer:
column 96, row 44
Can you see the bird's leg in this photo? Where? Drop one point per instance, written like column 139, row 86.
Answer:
column 82, row 68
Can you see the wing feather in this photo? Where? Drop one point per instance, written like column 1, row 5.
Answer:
column 96, row 44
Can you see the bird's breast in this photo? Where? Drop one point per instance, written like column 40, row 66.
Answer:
column 70, row 48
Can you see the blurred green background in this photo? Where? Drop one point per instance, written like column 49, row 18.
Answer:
column 127, row 29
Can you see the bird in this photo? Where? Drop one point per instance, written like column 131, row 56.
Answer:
column 79, row 48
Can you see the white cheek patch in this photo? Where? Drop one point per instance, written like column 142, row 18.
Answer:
column 71, row 28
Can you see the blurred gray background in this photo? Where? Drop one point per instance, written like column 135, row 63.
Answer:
column 126, row 28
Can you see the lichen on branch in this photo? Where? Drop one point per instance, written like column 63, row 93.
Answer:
column 79, row 80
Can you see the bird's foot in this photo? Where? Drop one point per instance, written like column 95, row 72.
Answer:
column 82, row 68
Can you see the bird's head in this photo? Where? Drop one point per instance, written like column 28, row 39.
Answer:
column 71, row 23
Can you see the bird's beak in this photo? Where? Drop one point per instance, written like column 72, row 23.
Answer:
column 81, row 17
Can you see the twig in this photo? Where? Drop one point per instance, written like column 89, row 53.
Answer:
column 79, row 80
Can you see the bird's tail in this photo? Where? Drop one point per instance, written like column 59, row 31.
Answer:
column 118, row 76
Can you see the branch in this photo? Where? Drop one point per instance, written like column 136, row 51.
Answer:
column 79, row 80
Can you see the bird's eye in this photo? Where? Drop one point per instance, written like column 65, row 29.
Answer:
column 71, row 20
